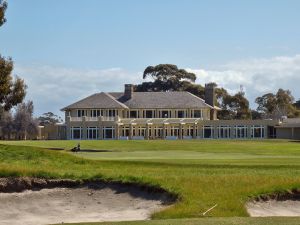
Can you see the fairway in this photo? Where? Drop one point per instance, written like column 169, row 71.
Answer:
column 201, row 172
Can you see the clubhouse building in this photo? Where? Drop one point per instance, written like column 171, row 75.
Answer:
column 133, row 115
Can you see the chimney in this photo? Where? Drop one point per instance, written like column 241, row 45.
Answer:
column 210, row 94
column 128, row 91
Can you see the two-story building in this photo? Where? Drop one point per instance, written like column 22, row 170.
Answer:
column 157, row 115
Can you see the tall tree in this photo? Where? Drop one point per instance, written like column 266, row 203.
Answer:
column 277, row 105
column 167, row 77
column 24, row 122
column 12, row 90
column 49, row 118
column 3, row 7
column 235, row 107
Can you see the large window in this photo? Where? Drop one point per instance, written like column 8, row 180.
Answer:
column 133, row 114
column 149, row 114
column 158, row 131
column 92, row 133
column 108, row 132
column 174, row 131
column 257, row 131
column 80, row 112
column 224, row 132
column 111, row 113
column 197, row 114
column 180, row 114
column 76, row 133
column 241, row 132
column 165, row 114
column 208, row 132
column 95, row 112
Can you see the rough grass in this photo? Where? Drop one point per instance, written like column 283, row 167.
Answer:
column 202, row 173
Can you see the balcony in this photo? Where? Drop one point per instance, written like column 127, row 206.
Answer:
column 92, row 119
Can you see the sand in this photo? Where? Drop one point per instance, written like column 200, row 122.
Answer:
column 273, row 208
column 66, row 205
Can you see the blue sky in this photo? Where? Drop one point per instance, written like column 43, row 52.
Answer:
column 67, row 49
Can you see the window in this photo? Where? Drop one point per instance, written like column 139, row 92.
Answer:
column 141, row 131
column 80, row 112
column 76, row 133
column 241, row 132
column 108, row 132
column 208, row 132
column 165, row 114
column 190, row 131
column 95, row 112
column 197, row 114
column 111, row 113
column 174, row 131
column 158, row 132
column 133, row 114
column 125, row 132
column 257, row 131
column 224, row 132
column 148, row 114
column 92, row 133
column 180, row 114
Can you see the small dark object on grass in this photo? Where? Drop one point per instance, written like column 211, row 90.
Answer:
column 76, row 149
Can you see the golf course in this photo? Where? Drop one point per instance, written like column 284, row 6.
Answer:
column 201, row 173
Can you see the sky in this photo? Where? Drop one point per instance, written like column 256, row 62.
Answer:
column 66, row 50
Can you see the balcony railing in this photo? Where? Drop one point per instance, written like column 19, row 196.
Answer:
column 92, row 119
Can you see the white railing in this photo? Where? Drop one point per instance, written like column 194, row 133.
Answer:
column 76, row 119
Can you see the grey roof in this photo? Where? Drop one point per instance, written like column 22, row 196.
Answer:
column 99, row 100
column 141, row 100
column 160, row 100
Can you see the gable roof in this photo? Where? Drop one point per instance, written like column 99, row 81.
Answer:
column 99, row 100
column 160, row 100
column 141, row 100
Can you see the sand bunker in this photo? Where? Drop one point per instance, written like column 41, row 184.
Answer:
column 274, row 208
column 82, row 204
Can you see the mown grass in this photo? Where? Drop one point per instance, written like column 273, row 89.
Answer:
column 202, row 173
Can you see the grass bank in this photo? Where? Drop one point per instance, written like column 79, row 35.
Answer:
column 202, row 173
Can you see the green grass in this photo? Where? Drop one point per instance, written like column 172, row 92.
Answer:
column 202, row 173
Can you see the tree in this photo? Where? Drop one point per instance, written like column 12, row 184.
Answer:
column 12, row 90
column 6, row 125
column 235, row 107
column 3, row 7
column 49, row 118
column 24, row 122
column 275, row 106
column 167, row 77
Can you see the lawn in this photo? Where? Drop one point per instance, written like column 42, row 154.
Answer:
column 202, row 172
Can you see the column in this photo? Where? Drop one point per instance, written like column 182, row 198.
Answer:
column 130, row 131
column 194, row 130
column 249, row 131
column 164, row 131
column 84, row 128
column 68, row 129
column 147, row 132
column 180, row 131
column 117, row 132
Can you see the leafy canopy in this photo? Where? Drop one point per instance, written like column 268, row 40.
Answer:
column 3, row 7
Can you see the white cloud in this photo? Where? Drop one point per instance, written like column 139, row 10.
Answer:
column 52, row 88
column 258, row 76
